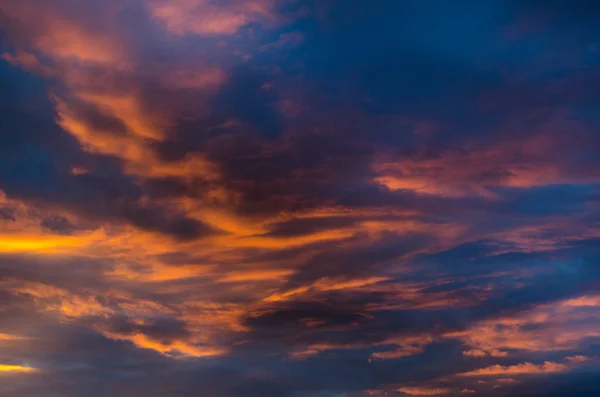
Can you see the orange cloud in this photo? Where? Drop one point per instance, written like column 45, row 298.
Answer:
column 44, row 244
column 552, row 330
column 207, row 17
column 577, row 359
column 582, row 301
column 325, row 284
column 16, row 369
column 219, row 280
column 7, row 337
column 172, row 349
column 471, row 172
column 256, row 275
column 28, row 62
column 483, row 353
column 423, row 391
column 66, row 38
column 519, row 369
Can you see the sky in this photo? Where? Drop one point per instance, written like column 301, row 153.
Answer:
column 299, row 198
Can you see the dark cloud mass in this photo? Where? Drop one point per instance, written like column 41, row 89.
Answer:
column 299, row 198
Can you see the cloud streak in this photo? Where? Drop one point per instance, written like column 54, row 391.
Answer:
column 297, row 198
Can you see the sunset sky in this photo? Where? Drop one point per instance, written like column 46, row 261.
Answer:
column 299, row 198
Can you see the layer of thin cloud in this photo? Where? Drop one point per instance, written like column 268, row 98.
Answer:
column 209, row 17
column 422, row 391
column 16, row 369
column 563, row 325
column 518, row 369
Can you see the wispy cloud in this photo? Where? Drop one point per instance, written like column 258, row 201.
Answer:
column 284, row 198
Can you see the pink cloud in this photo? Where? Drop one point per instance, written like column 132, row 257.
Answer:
column 207, row 17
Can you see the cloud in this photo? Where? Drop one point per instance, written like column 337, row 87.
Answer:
column 243, row 198
column 559, row 326
column 577, row 359
column 482, row 353
column 208, row 17
column 16, row 369
column 518, row 369
column 421, row 391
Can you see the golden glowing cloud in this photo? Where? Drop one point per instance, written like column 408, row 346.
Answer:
column 42, row 244
column 7, row 337
column 171, row 349
column 16, row 369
